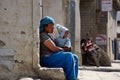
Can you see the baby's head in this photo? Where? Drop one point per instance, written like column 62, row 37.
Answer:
column 66, row 34
column 63, row 31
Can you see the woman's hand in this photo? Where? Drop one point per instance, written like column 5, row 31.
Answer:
column 67, row 49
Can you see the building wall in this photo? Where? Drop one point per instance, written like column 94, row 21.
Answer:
column 94, row 22
column 111, row 33
column 17, row 37
column 88, row 18
column 101, row 23
column 55, row 9
column 101, row 20
column 106, row 23
column 78, row 31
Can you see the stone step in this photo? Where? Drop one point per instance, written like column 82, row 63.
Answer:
column 50, row 73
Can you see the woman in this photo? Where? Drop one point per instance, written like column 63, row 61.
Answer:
column 53, row 56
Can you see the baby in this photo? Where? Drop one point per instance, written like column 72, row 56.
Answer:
column 63, row 39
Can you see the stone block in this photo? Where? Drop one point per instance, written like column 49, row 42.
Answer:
column 7, row 59
column 50, row 73
column 7, row 52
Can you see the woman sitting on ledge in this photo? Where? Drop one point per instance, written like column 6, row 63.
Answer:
column 53, row 56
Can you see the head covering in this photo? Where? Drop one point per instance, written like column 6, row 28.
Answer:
column 61, row 30
column 44, row 21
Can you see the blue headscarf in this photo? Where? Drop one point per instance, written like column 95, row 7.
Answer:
column 44, row 21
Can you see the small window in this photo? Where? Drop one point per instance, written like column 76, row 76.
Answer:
column 118, row 23
column 118, row 35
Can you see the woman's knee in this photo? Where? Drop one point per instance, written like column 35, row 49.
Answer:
column 69, row 55
column 75, row 56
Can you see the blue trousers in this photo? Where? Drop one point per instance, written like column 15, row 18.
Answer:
column 65, row 60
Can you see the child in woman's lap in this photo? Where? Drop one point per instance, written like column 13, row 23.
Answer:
column 63, row 39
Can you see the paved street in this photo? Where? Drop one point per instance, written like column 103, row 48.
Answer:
column 95, row 73
column 101, row 73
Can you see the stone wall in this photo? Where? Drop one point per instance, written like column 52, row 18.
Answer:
column 101, row 20
column 19, row 37
column 94, row 21
column 101, row 23
column 106, row 23
column 78, row 31
column 88, row 18
column 55, row 9
column 17, row 30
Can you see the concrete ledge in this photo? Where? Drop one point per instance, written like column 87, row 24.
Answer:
column 50, row 73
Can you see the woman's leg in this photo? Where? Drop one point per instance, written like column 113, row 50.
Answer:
column 64, row 60
column 76, row 64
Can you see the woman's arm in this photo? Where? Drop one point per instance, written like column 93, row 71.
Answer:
column 51, row 45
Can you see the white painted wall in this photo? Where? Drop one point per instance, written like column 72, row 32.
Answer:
column 118, row 16
column 118, row 19
column 118, row 29
column 111, row 34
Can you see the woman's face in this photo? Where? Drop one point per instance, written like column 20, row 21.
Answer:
column 49, row 28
